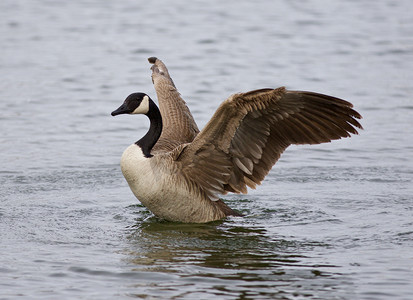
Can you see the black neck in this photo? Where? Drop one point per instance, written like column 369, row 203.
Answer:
column 151, row 137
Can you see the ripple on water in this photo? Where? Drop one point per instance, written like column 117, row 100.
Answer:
column 63, row 179
column 246, row 257
column 329, row 222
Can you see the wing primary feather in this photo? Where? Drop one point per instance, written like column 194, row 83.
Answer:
column 249, row 132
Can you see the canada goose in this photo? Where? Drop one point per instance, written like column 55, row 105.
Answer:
column 237, row 148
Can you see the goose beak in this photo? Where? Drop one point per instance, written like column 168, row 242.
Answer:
column 123, row 109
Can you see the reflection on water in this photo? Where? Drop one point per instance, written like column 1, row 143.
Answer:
column 252, row 263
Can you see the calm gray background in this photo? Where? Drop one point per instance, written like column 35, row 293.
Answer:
column 333, row 221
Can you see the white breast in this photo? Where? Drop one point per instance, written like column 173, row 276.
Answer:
column 157, row 186
column 137, row 170
column 151, row 184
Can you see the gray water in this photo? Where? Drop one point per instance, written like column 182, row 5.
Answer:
column 332, row 221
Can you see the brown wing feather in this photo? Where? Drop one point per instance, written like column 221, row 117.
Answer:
column 249, row 132
column 179, row 126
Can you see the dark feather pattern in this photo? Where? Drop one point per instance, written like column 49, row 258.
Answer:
column 249, row 132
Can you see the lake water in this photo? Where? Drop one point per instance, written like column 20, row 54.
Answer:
column 332, row 221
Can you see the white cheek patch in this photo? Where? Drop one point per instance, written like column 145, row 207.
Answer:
column 143, row 108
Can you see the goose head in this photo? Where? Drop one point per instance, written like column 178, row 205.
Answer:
column 136, row 103
column 140, row 103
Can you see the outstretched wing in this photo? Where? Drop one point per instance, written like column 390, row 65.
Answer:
column 249, row 131
column 178, row 124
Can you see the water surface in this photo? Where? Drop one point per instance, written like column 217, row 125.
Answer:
column 332, row 221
